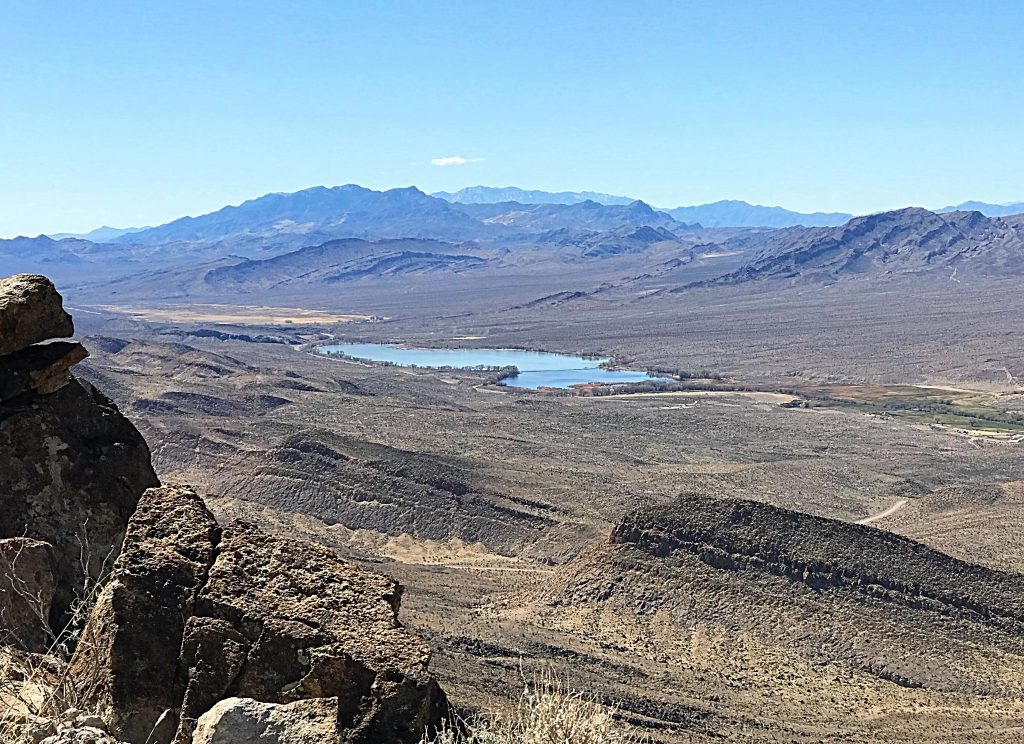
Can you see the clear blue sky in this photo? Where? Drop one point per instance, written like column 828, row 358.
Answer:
column 134, row 113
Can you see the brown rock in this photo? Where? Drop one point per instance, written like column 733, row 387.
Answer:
column 124, row 667
column 72, row 469
column 312, row 625
column 41, row 369
column 27, row 583
column 31, row 311
column 192, row 617
column 243, row 720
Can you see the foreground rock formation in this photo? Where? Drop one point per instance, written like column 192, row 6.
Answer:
column 257, row 637
column 234, row 612
column 72, row 467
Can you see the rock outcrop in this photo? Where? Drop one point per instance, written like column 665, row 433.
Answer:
column 243, row 720
column 28, row 581
column 31, row 311
column 72, row 468
column 194, row 614
column 44, row 368
column 126, row 665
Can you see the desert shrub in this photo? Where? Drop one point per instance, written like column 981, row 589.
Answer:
column 545, row 713
column 35, row 689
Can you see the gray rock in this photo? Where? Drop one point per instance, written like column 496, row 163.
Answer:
column 246, row 721
column 31, row 311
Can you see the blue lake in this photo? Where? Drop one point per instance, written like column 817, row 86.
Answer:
column 536, row 369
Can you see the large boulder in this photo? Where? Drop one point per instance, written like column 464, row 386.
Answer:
column 31, row 311
column 244, row 721
column 194, row 615
column 42, row 369
column 310, row 625
column 28, row 580
column 125, row 662
column 72, row 469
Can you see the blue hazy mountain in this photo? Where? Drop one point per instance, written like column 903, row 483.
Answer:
column 719, row 214
column 497, row 195
column 100, row 234
column 322, row 214
column 733, row 213
column 989, row 210
column 588, row 215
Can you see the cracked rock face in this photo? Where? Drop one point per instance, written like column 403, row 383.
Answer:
column 31, row 311
column 72, row 469
column 125, row 663
column 194, row 615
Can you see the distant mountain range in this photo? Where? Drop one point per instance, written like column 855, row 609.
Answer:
column 903, row 241
column 100, row 234
column 742, row 214
column 989, row 210
column 321, row 236
column 587, row 215
column 727, row 213
column 321, row 213
column 496, row 195
column 318, row 215
column 719, row 214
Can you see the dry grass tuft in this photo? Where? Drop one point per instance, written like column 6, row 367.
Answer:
column 546, row 713
column 35, row 689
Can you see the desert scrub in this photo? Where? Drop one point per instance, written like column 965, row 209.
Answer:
column 36, row 691
column 545, row 713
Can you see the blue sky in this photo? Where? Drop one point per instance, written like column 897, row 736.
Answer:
column 134, row 113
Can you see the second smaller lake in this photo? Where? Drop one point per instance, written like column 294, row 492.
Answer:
column 536, row 369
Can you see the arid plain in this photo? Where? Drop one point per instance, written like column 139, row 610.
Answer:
column 895, row 405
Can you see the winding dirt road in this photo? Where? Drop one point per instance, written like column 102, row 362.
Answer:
column 885, row 513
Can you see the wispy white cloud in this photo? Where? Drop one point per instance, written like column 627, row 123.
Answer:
column 454, row 160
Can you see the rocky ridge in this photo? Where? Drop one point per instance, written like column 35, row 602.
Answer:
column 911, row 240
column 820, row 591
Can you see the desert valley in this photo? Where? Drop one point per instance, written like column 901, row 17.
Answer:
column 511, row 373
column 806, row 526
